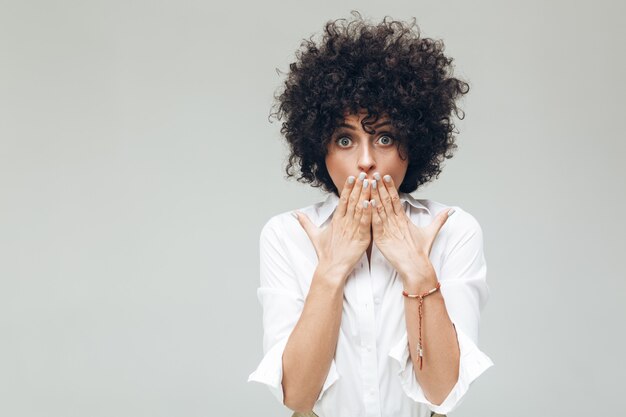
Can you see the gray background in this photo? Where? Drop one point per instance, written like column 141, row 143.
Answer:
column 137, row 167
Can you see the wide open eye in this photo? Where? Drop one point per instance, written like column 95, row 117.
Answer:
column 386, row 139
column 343, row 141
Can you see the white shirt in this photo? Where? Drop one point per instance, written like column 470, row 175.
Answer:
column 372, row 373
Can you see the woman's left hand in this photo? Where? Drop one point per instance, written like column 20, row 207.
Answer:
column 405, row 245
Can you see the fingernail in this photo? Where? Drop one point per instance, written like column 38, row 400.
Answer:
column 387, row 178
column 365, row 203
column 451, row 212
column 374, row 184
column 361, row 176
column 350, row 179
column 365, row 182
column 377, row 176
column 373, row 203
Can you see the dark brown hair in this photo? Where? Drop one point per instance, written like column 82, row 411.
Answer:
column 387, row 69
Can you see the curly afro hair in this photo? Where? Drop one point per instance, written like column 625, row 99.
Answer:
column 386, row 69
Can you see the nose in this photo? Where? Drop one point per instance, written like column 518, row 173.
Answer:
column 366, row 161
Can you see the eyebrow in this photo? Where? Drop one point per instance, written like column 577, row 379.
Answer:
column 351, row 127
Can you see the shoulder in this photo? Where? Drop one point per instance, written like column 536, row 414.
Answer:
column 461, row 225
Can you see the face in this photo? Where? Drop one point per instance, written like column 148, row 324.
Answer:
column 352, row 150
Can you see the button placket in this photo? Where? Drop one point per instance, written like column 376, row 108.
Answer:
column 367, row 330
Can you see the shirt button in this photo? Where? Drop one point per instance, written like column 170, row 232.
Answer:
column 372, row 392
column 377, row 300
column 369, row 348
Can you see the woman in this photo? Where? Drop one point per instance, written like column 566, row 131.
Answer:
column 371, row 299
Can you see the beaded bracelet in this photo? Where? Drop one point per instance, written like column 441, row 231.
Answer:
column 421, row 299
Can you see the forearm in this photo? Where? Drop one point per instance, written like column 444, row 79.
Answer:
column 440, row 361
column 312, row 343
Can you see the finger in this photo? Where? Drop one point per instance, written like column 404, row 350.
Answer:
column 363, row 198
column 355, row 195
column 377, row 221
column 390, row 187
column 366, row 214
column 385, row 200
column 345, row 195
column 377, row 207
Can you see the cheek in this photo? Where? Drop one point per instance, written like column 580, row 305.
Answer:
column 397, row 168
column 330, row 165
column 333, row 166
column 394, row 162
column 336, row 164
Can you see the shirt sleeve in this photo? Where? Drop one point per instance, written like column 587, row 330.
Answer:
column 282, row 302
column 465, row 291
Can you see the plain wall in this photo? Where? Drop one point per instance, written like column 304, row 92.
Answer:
column 138, row 165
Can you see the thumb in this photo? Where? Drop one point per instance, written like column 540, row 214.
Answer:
column 440, row 220
column 435, row 226
column 306, row 223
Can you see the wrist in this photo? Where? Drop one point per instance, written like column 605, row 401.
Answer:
column 332, row 273
column 418, row 280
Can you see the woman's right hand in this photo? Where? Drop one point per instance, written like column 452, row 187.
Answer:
column 341, row 243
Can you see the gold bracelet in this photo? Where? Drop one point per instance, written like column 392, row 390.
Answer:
column 420, row 350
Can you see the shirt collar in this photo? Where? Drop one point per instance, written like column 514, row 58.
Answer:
column 332, row 201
